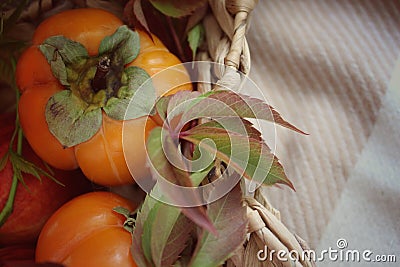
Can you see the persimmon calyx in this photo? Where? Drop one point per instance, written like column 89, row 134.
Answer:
column 129, row 223
column 95, row 83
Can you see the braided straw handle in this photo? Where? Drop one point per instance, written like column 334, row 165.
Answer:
column 227, row 45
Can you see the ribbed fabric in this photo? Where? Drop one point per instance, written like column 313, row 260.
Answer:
column 325, row 66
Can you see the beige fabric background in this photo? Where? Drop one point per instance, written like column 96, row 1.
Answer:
column 326, row 67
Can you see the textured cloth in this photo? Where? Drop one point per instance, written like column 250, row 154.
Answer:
column 326, row 67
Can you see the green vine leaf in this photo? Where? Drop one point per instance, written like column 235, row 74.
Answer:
column 249, row 157
column 139, row 246
column 176, row 8
column 161, row 229
column 147, row 233
column 161, row 107
column 241, row 126
column 171, row 230
column 227, row 103
column 70, row 119
column 177, row 241
column 229, row 217
column 234, row 139
column 195, row 38
column 21, row 165
column 180, row 103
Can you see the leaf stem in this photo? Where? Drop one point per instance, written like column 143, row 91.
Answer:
column 8, row 207
column 176, row 39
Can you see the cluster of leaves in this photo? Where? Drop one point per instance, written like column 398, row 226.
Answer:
column 176, row 23
column 164, row 233
column 9, row 51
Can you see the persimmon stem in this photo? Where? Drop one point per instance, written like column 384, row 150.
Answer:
column 99, row 80
column 8, row 207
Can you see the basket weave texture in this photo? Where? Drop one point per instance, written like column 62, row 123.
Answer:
column 226, row 44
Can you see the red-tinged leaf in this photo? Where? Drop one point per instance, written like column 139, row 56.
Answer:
column 128, row 14
column 245, row 127
column 248, row 157
column 196, row 17
column 178, row 241
column 229, row 217
column 160, row 25
column 177, row 8
column 137, row 249
column 162, row 149
column 170, row 234
column 138, row 11
column 161, row 108
column 226, row 103
column 163, row 239
column 133, row 13
column 180, row 103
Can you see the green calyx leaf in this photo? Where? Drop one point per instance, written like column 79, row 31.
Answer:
column 61, row 53
column 129, row 222
column 95, row 83
column 134, row 100
column 70, row 119
column 123, row 45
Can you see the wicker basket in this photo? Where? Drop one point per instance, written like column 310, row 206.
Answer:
column 225, row 43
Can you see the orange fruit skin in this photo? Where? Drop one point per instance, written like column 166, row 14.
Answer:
column 101, row 158
column 31, row 108
column 36, row 202
column 87, row 232
column 87, row 26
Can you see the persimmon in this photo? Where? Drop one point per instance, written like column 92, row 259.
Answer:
column 86, row 231
column 77, row 79
column 36, row 199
